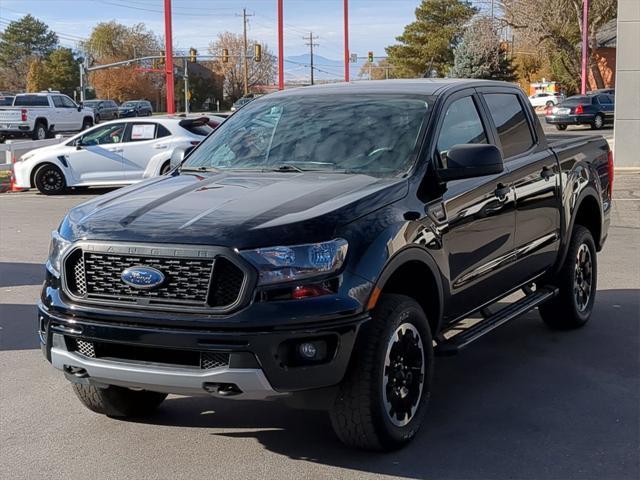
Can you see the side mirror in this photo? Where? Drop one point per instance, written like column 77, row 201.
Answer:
column 472, row 160
column 178, row 156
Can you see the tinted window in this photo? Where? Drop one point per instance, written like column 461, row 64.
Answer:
column 368, row 134
column 31, row 101
column 67, row 102
column 6, row 101
column 57, row 101
column 511, row 122
column 573, row 101
column 162, row 131
column 461, row 125
column 605, row 99
column 198, row 129
column 107, row 134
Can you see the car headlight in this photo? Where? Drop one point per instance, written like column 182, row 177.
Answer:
column 26, row 156
column 56, row 249
column 285, row 264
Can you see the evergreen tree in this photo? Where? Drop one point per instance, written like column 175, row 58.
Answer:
column 63, row 71
column 481, row 54
column 427, row 43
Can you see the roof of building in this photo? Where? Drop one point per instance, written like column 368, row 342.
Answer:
column 607, row 34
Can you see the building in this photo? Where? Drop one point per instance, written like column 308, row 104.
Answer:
column 606, row 40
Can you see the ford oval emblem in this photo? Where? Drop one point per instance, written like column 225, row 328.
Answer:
column 142, row 277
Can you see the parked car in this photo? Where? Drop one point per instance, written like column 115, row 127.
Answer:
column 545, row 99
column 103, row 109
column 135, row 108
column 113, row 153
column 317, row 244
column 241, row 102
column 595, row 110
column 37, row 115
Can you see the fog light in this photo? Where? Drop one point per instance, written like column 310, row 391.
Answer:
column 307, row 350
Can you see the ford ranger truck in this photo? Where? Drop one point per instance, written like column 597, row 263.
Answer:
column 321, row 246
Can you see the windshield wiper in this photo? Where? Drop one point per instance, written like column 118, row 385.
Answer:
column 199, row 169
column 286, row 167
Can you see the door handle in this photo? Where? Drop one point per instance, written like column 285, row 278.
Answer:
column 547, row 173
column 158, row 147
column 502, row 191
column 115, row 150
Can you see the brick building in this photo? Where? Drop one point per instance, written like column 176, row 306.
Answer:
column 606, row 40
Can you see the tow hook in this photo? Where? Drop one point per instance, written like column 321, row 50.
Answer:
column 222, row 389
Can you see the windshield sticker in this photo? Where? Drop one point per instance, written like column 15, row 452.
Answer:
column 142, row 132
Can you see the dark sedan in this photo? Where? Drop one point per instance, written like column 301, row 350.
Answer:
column 136, row 108
column 595, row 110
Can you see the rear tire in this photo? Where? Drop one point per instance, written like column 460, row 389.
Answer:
column 165, row 168
column 577, row 282
column 39, row 131
column 97, row 119
column 118, row 401
column 382, row 400
column 50, row 180
column 598, row 122
column 560, row 126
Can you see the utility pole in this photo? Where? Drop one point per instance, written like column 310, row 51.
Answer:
column 280, row 46
column 244, row 54
column 585, row 45
column 310, row 44
column 168, row 48
column 186, row 86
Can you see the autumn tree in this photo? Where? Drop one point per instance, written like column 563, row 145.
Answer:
column 558, row 37
column 37, row 76
column 259, row 73
column 481, row 54
column 427, row 43
column 112, row 42
column 21, row 42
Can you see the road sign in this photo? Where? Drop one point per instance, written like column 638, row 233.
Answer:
column 353, row 58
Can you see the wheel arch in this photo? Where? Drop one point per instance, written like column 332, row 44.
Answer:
column 414, row 273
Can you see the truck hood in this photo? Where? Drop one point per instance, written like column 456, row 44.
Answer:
column 237, row 210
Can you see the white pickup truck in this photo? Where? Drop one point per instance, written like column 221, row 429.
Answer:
column 38, row 115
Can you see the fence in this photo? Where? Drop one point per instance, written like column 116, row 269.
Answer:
column 12, row 150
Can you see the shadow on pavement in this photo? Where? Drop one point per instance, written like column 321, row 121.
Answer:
column 524, row 402
column 16, row 274
column 18, row 327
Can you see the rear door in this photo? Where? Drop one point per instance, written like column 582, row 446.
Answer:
column 606, row 106
column 143, row 141
column 478, row 235
column 536, row 179
column 97, row 158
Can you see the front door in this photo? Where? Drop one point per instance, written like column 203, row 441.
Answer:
column 479, row 226
column 97, row 157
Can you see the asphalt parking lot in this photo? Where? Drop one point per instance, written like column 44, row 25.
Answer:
column 523, row 403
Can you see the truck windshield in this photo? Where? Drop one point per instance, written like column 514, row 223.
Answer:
column 370, row 134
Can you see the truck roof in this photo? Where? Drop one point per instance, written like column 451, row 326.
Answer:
column 419, row 86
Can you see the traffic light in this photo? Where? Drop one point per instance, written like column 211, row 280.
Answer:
column 370, row 56
column 193, row 55
column 225, row 55
column 257, row 52
column 161, row 60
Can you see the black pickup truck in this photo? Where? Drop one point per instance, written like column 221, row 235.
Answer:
column 321, row 246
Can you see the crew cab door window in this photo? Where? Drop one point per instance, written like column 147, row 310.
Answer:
column 462, row 124
column 511, row 123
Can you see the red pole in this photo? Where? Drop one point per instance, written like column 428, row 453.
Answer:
column 280, row 47
column 168, row 48
column 346, row 40
column 585, row 44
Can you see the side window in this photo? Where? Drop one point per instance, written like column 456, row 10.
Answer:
column 57, row 101
column 162, row 132
column 139, row 132
column 511, row 122
column 461, row 125
column 604, row 99
column 104, row 135
column 67, row 102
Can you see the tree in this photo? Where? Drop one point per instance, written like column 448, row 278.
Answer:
column 63, row 71
column 427, row 44
column 37, row 76
column 480, row 54
column 21, row 42
column 559, row 36
column 112, row 42
column 260, row 73
column 378, row 71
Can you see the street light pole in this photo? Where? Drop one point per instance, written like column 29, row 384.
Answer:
column 346, row 41
column 186, row 86
column 280, row 47
column 585, row 44
column 168, row 48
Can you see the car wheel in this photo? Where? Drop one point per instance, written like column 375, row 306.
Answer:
column 39, row 132
column 166, row 168
column 50, row 180
column 598, row 122
column 560, row 126
column 97, row 119
column 87, row 123
column 116, row 401
column 549, row 104
column 382, row 400
column 577, row 282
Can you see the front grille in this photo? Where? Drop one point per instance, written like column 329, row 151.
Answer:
column 212, row 282
column 167, row 356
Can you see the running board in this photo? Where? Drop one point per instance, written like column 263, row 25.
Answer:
column 452, row 345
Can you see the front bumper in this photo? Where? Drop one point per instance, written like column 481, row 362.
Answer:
column 258, row 366
column 21, row 175
column 569, row 119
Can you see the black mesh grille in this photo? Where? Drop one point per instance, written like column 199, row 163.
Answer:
column 188, row 281
column 214, row 360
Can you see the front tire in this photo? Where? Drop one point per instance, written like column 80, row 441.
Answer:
column 382, row 400
column 50, row 180
column 97, row 117
column 561, row 127
column 116, row 401
column 577, row 282
column 87, row 123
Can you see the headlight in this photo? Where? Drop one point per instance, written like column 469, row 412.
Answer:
column 56, row 249
column 26, row 156
column 284, row 264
